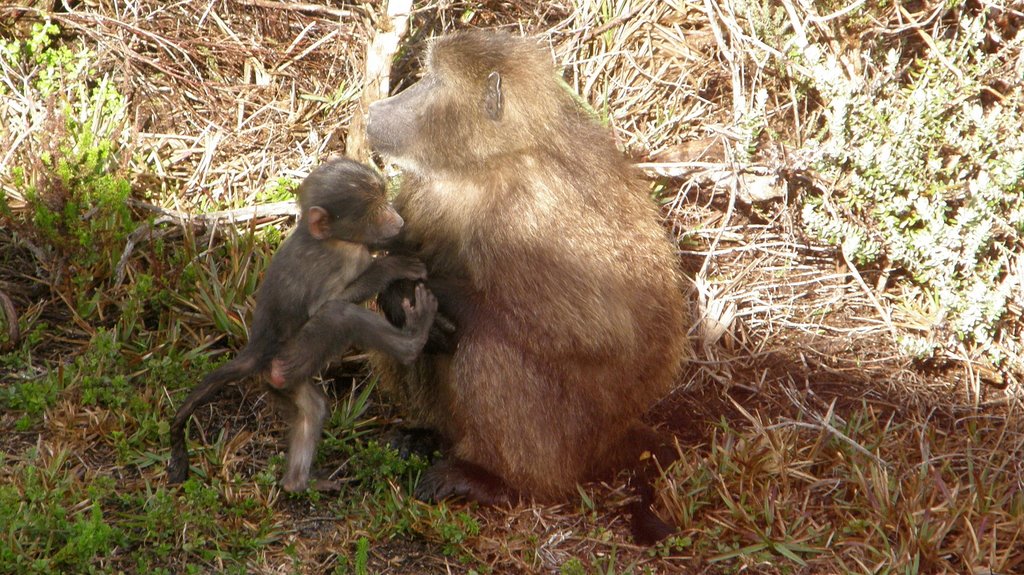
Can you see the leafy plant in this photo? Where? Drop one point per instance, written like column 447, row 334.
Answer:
column 929, row 176
column 48, row 529
column 68, row 172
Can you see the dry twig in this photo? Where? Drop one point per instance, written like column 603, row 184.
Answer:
column 306, row 8
column 199, row 221
column 377, row 75
column 11, row 316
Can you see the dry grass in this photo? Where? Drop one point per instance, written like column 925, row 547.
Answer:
column 809, row 443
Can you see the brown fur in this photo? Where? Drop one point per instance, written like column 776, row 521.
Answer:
column 544, row 249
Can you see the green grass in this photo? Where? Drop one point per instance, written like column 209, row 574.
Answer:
column 856, row 495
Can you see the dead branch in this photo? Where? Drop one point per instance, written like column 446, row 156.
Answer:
column 238, row 215
column 11, row 314
column 198, row 221
column 306, row 8
column 377, row 75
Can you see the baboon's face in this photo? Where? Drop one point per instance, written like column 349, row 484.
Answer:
column 359, row 218
column 345, row 200
column 394, row 122
column 448, row 119
column 372, row 226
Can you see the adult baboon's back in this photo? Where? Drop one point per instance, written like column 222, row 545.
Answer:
column 543, row 247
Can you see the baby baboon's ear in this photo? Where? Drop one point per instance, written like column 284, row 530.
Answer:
column 319, row 222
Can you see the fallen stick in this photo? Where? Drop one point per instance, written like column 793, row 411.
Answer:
column 11, row 314
column 304, row 7
column 202, row 221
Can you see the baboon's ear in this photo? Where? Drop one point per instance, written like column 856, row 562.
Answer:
column 319, row 222
column 493, row 100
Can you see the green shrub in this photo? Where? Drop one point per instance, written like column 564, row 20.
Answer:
column 69, row 166
column 52, row 523
column 928, row 171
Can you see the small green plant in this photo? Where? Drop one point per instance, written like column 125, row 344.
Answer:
column 96, row 372
column 227, row 278
column 32, row 396
column 47, row 528
column 572, row 567
column 362, row 555
column 68, row 171
column 374, row 466
column 347, row 419
column 453, row 528
column 102, row 381
column 280, row 190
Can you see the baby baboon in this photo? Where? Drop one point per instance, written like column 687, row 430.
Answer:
column 307, row 310
column 543, row 247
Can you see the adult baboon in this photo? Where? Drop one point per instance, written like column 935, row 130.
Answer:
column 543, row 247
column 306, row 307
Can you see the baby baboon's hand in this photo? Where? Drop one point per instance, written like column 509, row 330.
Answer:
column 420, row 317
